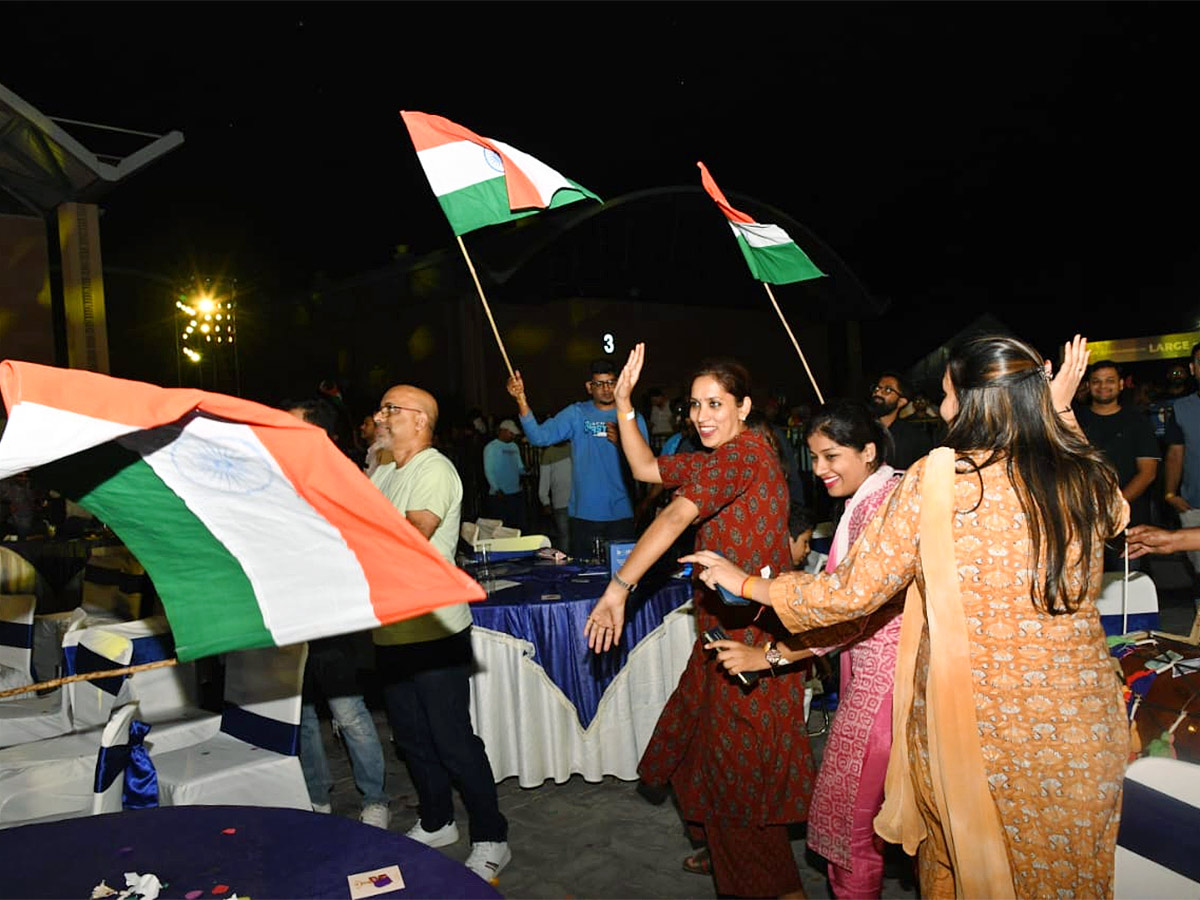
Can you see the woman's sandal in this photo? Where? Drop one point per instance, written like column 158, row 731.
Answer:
column 699, row 863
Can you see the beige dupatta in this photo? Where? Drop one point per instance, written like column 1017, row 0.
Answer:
column 968, row 816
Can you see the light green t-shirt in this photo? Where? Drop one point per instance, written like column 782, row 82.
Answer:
column 427, row 481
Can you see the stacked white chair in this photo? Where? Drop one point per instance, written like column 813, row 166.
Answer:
column 1158, row 847
column 252, row 760
column 118, row 746
column 16, row 640
column 1132, row 608
column 53, row 777
column 30, row 718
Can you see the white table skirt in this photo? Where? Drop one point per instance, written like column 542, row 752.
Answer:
column 531, row 729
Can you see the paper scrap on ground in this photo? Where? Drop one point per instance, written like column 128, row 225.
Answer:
column 376, row 881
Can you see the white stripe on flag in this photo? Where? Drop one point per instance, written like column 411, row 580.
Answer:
column 758, row 235
column 461, row 164
column 544, row 178
column 230, row 482
column 37, row 434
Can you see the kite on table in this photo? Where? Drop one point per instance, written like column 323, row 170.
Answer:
column 256, row 530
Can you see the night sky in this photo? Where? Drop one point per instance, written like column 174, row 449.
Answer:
column 1034, row 161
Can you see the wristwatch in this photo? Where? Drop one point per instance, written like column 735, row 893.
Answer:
column 774, row 657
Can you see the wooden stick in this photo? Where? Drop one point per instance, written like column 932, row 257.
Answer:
column 795, row 343
column 88, row 676
column 487, row 309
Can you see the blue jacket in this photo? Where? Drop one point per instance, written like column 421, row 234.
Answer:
column 598, row 491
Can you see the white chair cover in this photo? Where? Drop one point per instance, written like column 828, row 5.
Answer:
column 107, row 799
column 28, row 718
column 1141, row 602
column 95, row 650
column 252, row 760
column 161, row 692
column 531, row 729
column 1158, row 848
column 16, row 641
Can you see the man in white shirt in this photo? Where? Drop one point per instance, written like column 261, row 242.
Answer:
column 425, row 663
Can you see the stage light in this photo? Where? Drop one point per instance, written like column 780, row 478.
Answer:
column 205, row 303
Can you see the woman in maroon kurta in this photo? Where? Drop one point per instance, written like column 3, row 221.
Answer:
column 737, row 758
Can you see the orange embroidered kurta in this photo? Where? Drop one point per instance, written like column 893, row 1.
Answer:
column 1048, row 706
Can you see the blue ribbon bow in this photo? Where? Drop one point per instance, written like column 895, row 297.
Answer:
column 141, row 780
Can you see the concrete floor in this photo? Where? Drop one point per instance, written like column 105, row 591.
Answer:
column 576, row 840
column 581, row 840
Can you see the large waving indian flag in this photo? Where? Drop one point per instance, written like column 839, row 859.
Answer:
column 480, row 181
column 773, row 257
column 254, row 527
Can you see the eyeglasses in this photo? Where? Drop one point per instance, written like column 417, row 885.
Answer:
column 883, row 389
column 604, row 384
column 390, row 409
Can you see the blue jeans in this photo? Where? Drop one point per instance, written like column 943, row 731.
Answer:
column 362, row 743
column 427, row 692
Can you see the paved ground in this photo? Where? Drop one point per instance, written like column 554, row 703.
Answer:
column 577, row 840
column 580, row 840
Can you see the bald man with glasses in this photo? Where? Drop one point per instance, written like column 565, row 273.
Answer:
column 600, row 506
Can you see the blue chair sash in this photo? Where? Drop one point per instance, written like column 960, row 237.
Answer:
column 146, row 649
column 16, row 634
column 86, row 660
column 261, row 731
column 133, row 759
column 1161, row 829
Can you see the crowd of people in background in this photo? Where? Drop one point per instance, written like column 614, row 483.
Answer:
column 1052, row 464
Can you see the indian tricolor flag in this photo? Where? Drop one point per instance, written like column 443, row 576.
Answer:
column 773, row 257
column 479, row 181
column 254, row 527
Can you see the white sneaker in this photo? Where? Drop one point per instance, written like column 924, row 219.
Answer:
column 375, row 814
column 443, row 837
column 323, row 808
column 488, row 858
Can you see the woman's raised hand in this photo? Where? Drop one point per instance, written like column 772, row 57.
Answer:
column 1070, row 373
column 628, row 379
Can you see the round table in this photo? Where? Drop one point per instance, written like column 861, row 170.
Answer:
column 259, row 852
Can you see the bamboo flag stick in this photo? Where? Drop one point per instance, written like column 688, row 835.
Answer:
column 487, row 309
column 88, row 676
column 795, row 343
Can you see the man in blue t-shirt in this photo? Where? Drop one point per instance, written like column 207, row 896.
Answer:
column 600, row 506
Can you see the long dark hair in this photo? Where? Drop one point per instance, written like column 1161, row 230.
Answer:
column 1065, row 487
column 851, row 424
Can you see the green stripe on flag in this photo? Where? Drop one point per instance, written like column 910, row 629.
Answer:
column 486, row 203
column 209, row 600
column 780, row 264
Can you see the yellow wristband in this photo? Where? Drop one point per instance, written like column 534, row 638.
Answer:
column 746, row 584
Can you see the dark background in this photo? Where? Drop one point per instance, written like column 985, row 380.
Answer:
column 1031, row 161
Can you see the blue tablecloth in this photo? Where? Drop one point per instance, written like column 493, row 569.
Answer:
column 272, row 853
column 548, row 607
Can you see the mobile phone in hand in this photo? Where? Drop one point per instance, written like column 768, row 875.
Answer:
column 717, row 633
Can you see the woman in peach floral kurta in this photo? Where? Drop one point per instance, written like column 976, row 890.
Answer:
column 1049, row 719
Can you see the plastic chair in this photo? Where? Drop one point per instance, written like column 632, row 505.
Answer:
column 1158, row 845
column 16, row 640
column 117, row 749
column 252, row 759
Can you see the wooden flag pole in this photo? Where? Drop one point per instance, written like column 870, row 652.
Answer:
column 487, row 309
column 795, row 343
column 88, row 676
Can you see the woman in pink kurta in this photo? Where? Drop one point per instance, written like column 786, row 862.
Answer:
column 848, row 448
